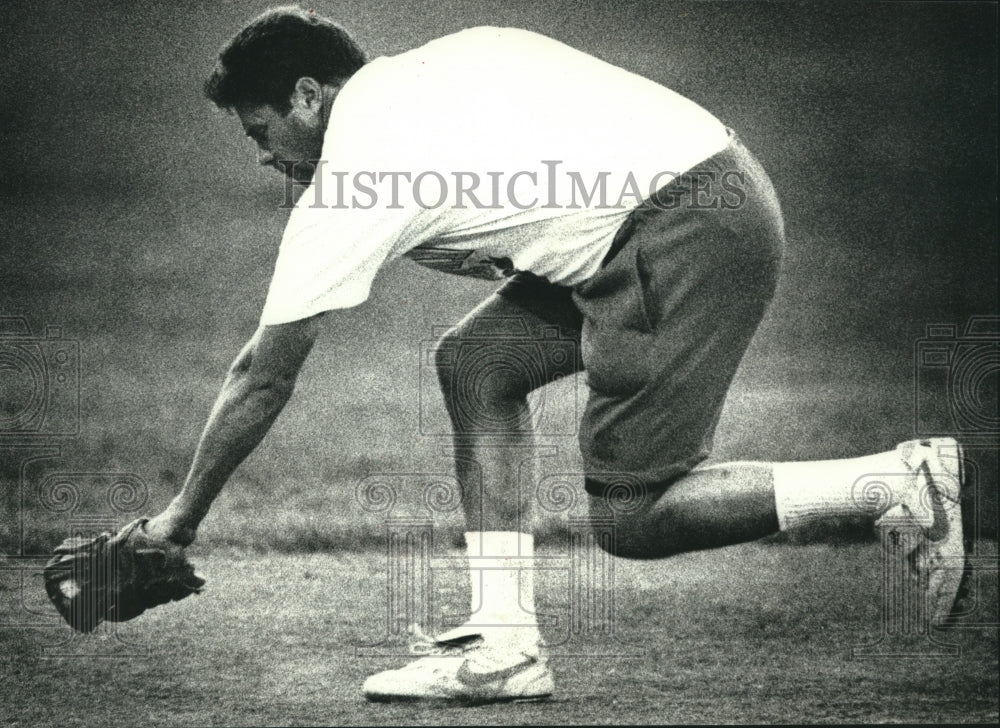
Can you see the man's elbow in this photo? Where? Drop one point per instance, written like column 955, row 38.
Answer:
column 270, row 392
column 256, row 381
column 270, row 362
column 275, row 385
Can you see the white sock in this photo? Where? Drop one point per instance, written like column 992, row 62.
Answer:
column 805, row 492
column 502, row 575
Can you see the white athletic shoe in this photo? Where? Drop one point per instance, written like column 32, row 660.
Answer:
column 466, row 669
column 933, row 500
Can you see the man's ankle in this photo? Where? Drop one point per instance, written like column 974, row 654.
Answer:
column 520, row 636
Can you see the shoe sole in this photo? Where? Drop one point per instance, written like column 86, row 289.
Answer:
column 961, row 590
column 953, row 581
column 457, row 700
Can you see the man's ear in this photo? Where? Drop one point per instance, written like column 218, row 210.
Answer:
column 308, row 94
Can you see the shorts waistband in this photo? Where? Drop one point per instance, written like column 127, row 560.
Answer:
column 733, row 157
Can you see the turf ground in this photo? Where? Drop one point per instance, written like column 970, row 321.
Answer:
column 750, row 634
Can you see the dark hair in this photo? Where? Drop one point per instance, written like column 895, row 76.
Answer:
column 262, row 62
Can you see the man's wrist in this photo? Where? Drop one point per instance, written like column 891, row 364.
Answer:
column 169, row 527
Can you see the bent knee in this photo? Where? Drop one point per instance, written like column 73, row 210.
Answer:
column 647, row 528
column 486, row 372
column 631, row 541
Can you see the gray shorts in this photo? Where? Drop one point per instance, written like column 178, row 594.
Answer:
column 666, row 320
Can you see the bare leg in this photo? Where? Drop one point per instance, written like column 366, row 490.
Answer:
column 487, row 366
column 728, row 503
column 712, row 506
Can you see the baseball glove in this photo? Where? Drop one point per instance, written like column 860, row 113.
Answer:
column 116, row 576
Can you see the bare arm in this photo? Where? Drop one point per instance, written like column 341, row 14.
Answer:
column 259, row 383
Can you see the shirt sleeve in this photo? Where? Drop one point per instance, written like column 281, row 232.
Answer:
column 329, row 257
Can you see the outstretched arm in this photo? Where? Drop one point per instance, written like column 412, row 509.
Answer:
column 259, row 383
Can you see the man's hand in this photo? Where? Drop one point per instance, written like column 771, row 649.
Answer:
column 167, row 527
column 259, row 383
column 117, row 576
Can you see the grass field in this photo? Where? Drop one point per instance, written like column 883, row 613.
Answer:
column 742, row 635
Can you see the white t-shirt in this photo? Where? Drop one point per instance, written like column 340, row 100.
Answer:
column 485, row 152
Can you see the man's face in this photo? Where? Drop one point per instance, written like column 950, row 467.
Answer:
column 290, row 142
